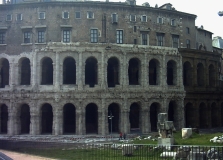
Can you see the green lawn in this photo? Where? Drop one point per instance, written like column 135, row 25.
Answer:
column 144, row 151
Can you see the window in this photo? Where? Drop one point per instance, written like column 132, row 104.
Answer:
column 41, row 15
column 160, row 39
column 114, row 18
column 27, row 37
column 65, row 15
column 135, row 28
column 144, row 18
column 144, row 39
column 160, row 20
column 66, row 35
column 175, row 39
column 2, row 37
column 187, row 30
column 132, row 18
column 94, row 35
column 135, row 41
column 41, row 36
column 8, row 17
column 119, row 36
column 19, row 17
column 188, row 43
column 90, row 15
column 173, row 22
column 78, row 15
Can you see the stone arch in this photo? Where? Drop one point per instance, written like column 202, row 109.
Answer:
column 200, row 74
column 91, row 118
column 171, row 73
column 4, row 119
column 69, row 118
column 203, row 113
column 25, row 119
column 215, row 115
column 190, row 115
column 113, row 72
column 114, row 109
column 69, row 71
column 91, row 72
column 187, row 74
column 135, row 117
column 134, row 71
column 24, row 71
column 46, row 119
column 211, row 73
column 154, row 111
column 154, row 72
column 4, row 79
column 47, row 71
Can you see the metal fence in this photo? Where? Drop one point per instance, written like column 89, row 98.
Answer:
column 146, row 152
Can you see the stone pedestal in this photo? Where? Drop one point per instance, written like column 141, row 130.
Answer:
column 186, row 132
column 165, row 141
column 127, row 149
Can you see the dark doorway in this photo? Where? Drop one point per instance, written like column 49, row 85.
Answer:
column 91, row 118
column 91, row 72
column 153, row 74
column 154, row 116
column 4, row 73
column 134, row 117
column 133, row 71
column 187, row 74
column 69, row 71
column 47, row 71
column 190, row 115
column 203, row 112
column 25, row 71
column 25, row 119
column 114, row 110
column 4, row 119
column 171, row 73
column 47, row 119
column 69, row 118
column 113, row 72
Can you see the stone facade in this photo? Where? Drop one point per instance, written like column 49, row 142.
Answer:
column 65, row 67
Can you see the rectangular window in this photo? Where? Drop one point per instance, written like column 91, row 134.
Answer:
column 135, row 28
column 144, row 18
column 160, row 39
column 160, row 20
column 8, row 17
column 66, row 35
column 175, row 39
column 90, row 15
column 78, row 15
column 114, row 18
column 187, row 30
column 2, row 37
column 19, row 17
column 27, row 37
column 135, row 41
column 144, row 39
column 41, row 15
column 188, row 43
column 65, row 15
column 119, row 36
column 173, row 22
column 41, row 36
column 94, row 35
column 132, row 18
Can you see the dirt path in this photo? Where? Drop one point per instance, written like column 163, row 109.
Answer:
column 20, row 156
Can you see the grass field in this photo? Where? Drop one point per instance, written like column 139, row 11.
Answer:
column 144, row 150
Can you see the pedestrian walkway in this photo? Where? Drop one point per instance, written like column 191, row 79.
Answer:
column 20, row 156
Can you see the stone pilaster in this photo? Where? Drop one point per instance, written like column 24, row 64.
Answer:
column 103, row 118
column 57, row 72
column 79, row 71
column 12, row 123
column 180, row 114
column 34, row 125
column 12, row 75
column 145, row 121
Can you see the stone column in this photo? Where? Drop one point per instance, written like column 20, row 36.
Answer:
column 57, row 72
column 33, row 66
column 12, row 75
column 125, row 71
column 144, row 72
column 163, row 73
column 180, row 73
column 145, row 120
column 79, row 121
column 103, row 72
column 34, row 123
column 194, row 73
column 57, row 120
column 79, row 71
column 103, row 118
column 125, row 124
column 180, row 115
column 11, row 123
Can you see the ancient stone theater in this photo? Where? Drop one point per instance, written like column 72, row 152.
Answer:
column 67, row 67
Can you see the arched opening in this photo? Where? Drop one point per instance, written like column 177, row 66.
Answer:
column 113, row 72
column 133, row 71
column 215, row 115
column 91, row 118
column 200, row 74
column 187, row 74
column 47, row 119
column 69, row 71
column 4, row 119
column 154, row 110
column 25, row 71
column 91, row 72
column 114, row 122
column 69, row 118
column 25, row 119
column 171, row 73
column 211, row 76
column 190, row 116
column 153, row 72
column 4, row 73
column 203, row 111
column 134, row 117
column 47, row 71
